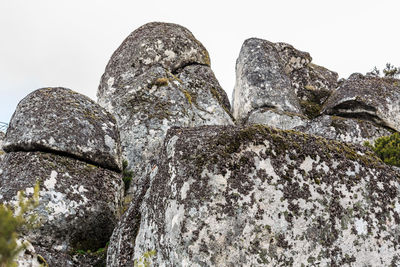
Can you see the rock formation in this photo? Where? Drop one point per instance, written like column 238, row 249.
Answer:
column 159, row 77
column 54, row 138
column 60, row 120
column 256, row 196
column 277, row 85
column 369, row 98
column 283, row 181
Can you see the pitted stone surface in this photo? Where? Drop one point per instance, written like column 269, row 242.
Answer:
column 153, row 44
column 313, row 84
column 63, row 121
column 79, row 203
column 261, row 80
column 255, row 196
column 278, row 119
column 344, row 129
column 206, row 95
column 148, row 97
column 369, row 98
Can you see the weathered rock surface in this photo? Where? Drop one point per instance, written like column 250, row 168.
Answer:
column 344, row 129
column 168, row 45
column 158, row 78
column 276, row 75
column 278, row 119
column 312, row 84
column 63, row 121
column 79, row 203
column 369, row 98
column 224, row 196
column 261, row 80
column 28, row 255
column 2, row 136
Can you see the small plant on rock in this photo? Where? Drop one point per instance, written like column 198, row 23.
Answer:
column 14, row 220
column 390, row 71
column 388, row 149
column 127, row 175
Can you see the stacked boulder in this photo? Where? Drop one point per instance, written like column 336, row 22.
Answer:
column 158, row 78
column 70, row 146
column 277, row 85
column 207, row 192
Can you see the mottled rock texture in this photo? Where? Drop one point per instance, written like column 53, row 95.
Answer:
column 278, row 119
column 312, row 84
column 276, row 75
column 63, row 121
column 168, row 45
column 255, row 196
column 158, row 78
column 347, row 130
column 261, row 80
column 369, row 98
column 79, row 203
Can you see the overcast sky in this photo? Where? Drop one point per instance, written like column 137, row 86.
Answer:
column 68, row 43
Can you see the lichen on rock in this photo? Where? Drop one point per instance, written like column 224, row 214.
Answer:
column 158, row 78
column 342, row 129
column 259, row 196
column 368, row 98
column 63, row 121
column 79, row 203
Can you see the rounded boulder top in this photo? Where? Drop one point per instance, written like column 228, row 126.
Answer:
column 166, row 44
column 65, row 122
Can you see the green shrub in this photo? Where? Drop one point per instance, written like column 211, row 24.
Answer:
column 390, row 71
column 388, row 149
column 127, row 175
column 14, row 220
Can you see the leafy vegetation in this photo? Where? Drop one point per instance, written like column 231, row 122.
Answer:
column 14, row 220
column 127, row 175
column 388, row 148
column 389, row 71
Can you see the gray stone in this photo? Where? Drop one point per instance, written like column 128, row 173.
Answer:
column 344, row 129
column 159, row 78
column 168, row 45
column 256, row 196
column 312, row 84
column 79, row 203
column 261, row 80
column 368, row 98
column 278, row 119
column 63, row 121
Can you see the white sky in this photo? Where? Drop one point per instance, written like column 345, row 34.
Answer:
column 68, row 43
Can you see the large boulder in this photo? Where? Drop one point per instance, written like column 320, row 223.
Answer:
column 278, row 76
column 168, row 45
column 62, row 121
column 347, row 130
column 79, row 203
column 256, row 196
column 158, row 78
column 261, row 80
column 368, row 98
